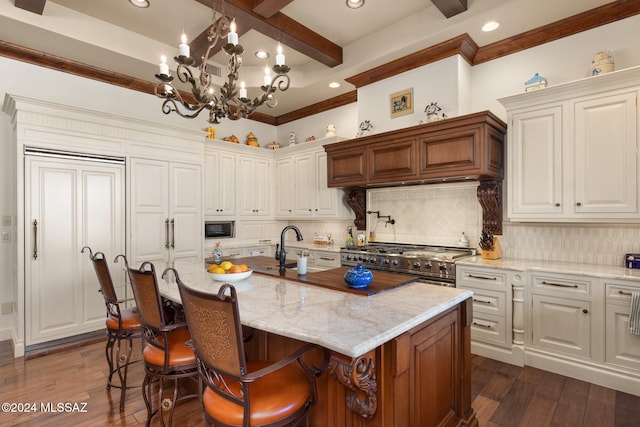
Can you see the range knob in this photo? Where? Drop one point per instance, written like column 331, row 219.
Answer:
column 349, row 258
column 416, row 265
column 443, row 267
column 373, row 260
column 428, row 266
column 394, row 262
column 385, row 261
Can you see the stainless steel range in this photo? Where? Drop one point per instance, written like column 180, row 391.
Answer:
column 431, row 264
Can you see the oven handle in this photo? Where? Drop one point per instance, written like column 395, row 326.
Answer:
column 436, row 282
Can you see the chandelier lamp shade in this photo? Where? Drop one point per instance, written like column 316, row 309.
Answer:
column 230, row 101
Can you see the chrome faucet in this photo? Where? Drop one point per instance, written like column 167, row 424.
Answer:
column 281, row 254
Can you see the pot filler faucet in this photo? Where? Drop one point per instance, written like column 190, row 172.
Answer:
column 281, row 254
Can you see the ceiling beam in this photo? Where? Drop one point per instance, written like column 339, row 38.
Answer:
column 35, row 6
column 450, row 8
column 285, row 30
column 268, row 8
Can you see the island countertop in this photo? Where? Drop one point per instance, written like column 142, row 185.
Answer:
column 346, row 323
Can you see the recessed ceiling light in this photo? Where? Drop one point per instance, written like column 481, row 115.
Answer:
column 262, row 54
column 334, row 85
column 355, row 4
column 139, row 3
column 490, row 26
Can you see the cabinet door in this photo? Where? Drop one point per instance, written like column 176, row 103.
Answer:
column 185, row 210
column 285, row 192
column 305, row 186
column 220, row 183
column 254, row 184
column 535, row 164
column 393, row 160
column 327, row 199
column 561, row 325
column 69, row 204
column 150, row 224
column 346, row 166
column 622, row 348
column 606, row 175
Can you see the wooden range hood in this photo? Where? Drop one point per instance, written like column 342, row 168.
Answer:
column 456, row 149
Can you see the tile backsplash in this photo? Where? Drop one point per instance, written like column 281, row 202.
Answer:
column 438, row 214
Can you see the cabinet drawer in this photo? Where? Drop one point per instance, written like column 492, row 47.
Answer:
column 619, row 294
column 489, row 302
column 488, row 328
column 480, row 278
column 323, row 259
column 561, row 285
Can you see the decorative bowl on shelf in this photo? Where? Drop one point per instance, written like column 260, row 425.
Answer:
column 358, row 277
column 230, row 277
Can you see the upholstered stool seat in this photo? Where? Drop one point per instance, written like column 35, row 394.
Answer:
column 273, row 397
column 180, row 351
column 129, row 320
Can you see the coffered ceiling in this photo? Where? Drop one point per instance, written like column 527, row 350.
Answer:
column 324, row 40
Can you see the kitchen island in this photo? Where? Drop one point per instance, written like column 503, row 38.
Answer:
column 398, row 358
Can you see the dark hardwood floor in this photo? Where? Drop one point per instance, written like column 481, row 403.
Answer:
column 503, row 395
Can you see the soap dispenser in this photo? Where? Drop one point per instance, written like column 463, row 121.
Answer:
column 464, row 242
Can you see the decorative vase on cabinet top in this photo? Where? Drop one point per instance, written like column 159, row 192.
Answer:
column 358, row 277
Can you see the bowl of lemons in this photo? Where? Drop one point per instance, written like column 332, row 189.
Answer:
column 226, row 271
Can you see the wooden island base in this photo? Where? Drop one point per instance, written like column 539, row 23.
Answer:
column 421, row 378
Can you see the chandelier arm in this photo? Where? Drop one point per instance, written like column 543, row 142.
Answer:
column 170, row 105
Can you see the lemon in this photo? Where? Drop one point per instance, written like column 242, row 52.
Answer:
column 212, row 267
column 226, row 265
column 219, row 270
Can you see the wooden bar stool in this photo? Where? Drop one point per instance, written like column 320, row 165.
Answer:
column 123, row 325
column 167, row 352
column 241, row 393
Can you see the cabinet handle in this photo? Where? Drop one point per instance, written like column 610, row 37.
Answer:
column 578, row 204
column 557, row 205
column 482, row 301
column 560, row 285
column 35, row 239
column 482, row 325
column 482, row 277
column 166, row 233
column 585, row 311
column 627, row 294
column 327, row 259
column 173, row 233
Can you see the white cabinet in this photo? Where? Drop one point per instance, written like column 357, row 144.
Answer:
column 622, row 348
column 219, row 183
column 564, row 316
column 301, row 180
column 285, row 196
column 166, row 211
column 498, row 313
column 69, row 204
column 573, row 151
column 254, row 186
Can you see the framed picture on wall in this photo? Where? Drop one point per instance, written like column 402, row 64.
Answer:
column 401, row 103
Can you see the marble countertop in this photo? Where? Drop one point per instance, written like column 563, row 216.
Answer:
column 343, row 322
column 559, row 267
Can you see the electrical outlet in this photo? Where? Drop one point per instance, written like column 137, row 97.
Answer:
column 6, row 237
column 7, row 308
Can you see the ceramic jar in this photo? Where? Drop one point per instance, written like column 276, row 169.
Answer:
column 358, row 277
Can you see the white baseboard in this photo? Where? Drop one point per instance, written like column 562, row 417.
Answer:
column 513, row 356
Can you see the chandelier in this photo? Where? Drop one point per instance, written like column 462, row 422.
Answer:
column 230, row 101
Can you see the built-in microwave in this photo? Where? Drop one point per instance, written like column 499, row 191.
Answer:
column 219, row 229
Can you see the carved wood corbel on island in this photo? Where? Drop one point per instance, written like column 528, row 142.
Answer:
column 459, row 148
column 399, row 358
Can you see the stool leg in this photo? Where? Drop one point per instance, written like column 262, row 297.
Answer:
column 109, row 356
column 123, row 366
column 146, row 394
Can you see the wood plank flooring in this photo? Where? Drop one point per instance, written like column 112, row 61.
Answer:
column 503, row 395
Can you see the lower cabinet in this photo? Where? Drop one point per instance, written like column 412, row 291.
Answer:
column 572, row 324
column 622, row 347
column 562, row 314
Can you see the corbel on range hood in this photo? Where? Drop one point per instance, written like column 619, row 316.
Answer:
column 460, row 148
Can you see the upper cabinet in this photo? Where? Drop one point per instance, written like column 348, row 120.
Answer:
column 301, row 185
column 254, row 182
column 219, row 182
column 573, row 151
column 465, row 147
